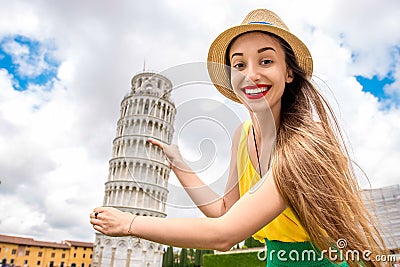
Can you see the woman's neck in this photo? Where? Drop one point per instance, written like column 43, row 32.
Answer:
column 265, row 126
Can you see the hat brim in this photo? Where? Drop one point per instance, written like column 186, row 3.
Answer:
column 217, row 54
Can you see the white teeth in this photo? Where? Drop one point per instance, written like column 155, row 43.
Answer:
column 256, row 90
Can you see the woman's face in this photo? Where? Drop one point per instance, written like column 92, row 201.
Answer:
column 258, row 71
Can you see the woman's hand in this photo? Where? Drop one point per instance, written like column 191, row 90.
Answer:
column 172, row 152
column 111, row 221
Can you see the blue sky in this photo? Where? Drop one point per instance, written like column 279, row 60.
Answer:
column 376, row 86
column 29, row 61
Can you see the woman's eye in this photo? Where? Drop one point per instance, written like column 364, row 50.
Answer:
column 266, row 61
column 238, row 66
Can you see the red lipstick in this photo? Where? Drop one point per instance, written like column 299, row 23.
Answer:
column 256, row 91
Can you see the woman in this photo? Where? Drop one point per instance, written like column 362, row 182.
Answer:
column 308, row 198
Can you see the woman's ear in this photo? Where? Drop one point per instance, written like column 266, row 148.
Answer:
column 289, row 76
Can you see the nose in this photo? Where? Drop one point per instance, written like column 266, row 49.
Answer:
column 252, row 74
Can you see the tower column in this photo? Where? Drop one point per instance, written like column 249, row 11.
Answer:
column 112, row 257
column 136, row 197
column 128, row 258
column 122, row 200
column 101, row 256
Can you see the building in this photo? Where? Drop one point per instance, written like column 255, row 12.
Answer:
column 22, row 251
column 385, row 204
column 138, row 171
column 78, row 253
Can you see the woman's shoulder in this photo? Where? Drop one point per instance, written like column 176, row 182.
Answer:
column 242, row 128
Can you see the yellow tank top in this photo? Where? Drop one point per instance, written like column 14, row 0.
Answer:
column 286, row 227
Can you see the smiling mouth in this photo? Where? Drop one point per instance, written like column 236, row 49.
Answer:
column 256, row 91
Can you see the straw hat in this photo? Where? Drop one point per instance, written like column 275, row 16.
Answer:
column 256, row 20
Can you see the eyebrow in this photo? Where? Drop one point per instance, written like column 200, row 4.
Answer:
column 265, row 49
column 236, row 54
column 258, row 51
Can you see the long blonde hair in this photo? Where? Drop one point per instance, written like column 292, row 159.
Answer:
column 313, row 171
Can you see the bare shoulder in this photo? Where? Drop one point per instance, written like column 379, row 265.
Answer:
column 238, row 133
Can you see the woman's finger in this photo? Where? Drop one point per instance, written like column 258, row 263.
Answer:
column 98, row 209
column 98, row 228
column 96, row 212
column 156, row 142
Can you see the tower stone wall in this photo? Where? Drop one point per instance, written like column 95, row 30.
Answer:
column 138, row 171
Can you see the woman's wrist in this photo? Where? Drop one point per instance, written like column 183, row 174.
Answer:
column 178, row 164
column 131, row 226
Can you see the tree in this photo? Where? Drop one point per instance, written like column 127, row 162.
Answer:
column 197, row 258
column 253, row 243
column 183, row 259
column 164, row 258
column 191, row 257
column 168, row 258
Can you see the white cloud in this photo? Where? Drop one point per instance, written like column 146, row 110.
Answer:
column 369, row 30
column 18, row 17
column 393, row 90
column 370, row 131
column 21, row 219
column 44, row 164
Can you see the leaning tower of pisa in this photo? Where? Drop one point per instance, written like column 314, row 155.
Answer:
column 138, row 171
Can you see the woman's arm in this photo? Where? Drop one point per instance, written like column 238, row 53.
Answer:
column 208, row 201
column 249, row 214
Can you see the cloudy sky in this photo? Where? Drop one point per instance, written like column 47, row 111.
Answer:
column 66, row 65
